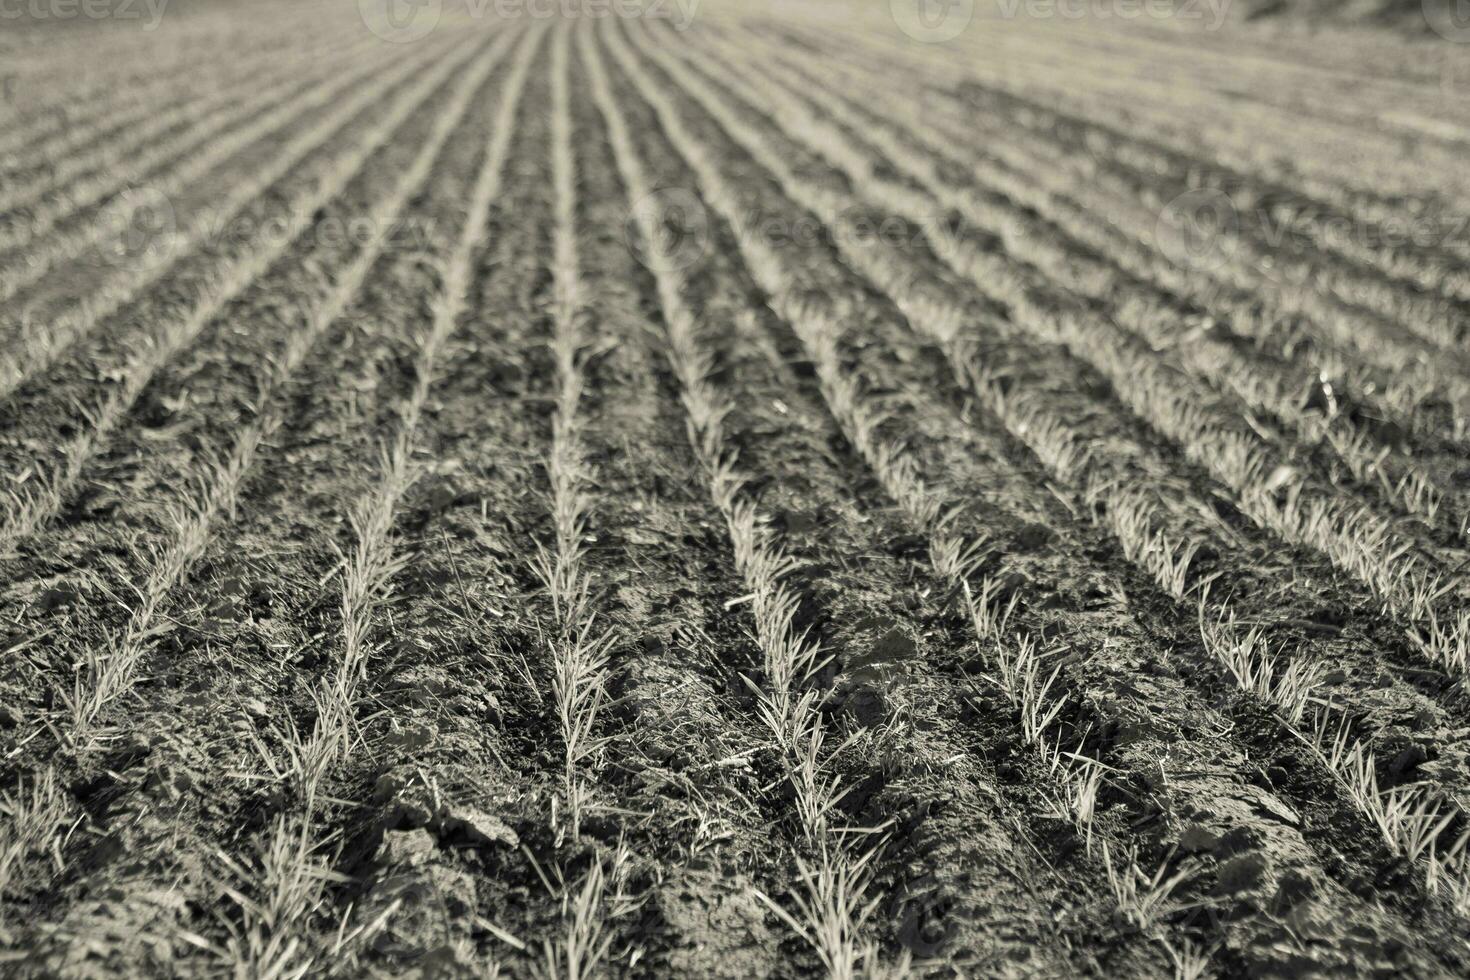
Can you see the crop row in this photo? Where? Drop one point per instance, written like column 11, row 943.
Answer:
column 1026, row 685
column 1030, row 223
column 277, row 886
column 1259, row 260
column 1148, row 544
column 80, row 108
column 30, row 508
column 1281, row 499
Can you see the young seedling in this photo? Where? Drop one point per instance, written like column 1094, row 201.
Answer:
column 1145, row 900
column 833, row 909
column 1445, row 642
column 1409, row 818
column 990, row 618
column 1019, row 676
column 33, row 818
column 276, row 894
column 1258, row 670
column 1078, row 780
column 581, row 950
column 1189, row 960
column 1447, row 873
column 1132, row 518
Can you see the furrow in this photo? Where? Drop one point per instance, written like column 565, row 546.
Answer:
column 1202, row 791
column 832, row 914
column 339, row 306
column 33, row 211
column 28, row 509
column 471, row 617
column 43, row 337
column 1342, row 172
column 1412, row 581
column 156, row 203
column 368, row 576
column 681, row 751
column 1304, row 399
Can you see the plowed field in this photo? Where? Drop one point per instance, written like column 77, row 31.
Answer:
column 732, row 491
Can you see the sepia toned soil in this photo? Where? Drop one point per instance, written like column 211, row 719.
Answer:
column 766, row 490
